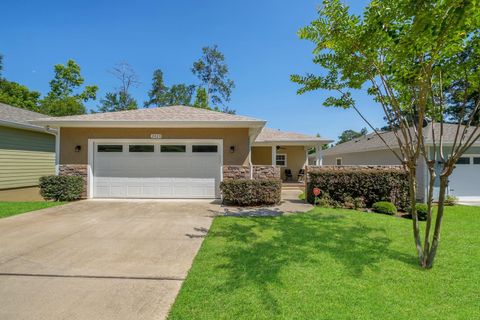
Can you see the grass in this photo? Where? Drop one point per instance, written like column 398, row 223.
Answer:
column 8, row 209
column 332, row 264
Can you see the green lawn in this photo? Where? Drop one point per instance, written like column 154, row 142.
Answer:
column 332, row 264
column 8, row 209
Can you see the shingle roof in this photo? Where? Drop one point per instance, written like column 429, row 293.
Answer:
column 372, row 142
column 272, row 135
column 18, row 115
column 171, row 113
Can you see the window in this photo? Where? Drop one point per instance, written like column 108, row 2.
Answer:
column 338, row 161
column 281, row 160
column 463, row 160
column 173, row 148
column 204, row 148
column 476, row 160
column 140, row 148
column 109, row 148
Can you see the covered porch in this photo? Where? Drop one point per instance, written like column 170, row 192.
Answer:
column 288, row 150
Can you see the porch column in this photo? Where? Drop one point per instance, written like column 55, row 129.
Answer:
column 319, row 156
column 306, row 157
column 274, row 155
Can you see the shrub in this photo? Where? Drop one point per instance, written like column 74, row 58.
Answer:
column 245, row 192
column 384, row 207
column 450, row 200
column 358, row 203
column 422, row 211
column 61, row 188
column 371, row 184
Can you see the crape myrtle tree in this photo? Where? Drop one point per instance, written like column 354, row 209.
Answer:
column 405, row 53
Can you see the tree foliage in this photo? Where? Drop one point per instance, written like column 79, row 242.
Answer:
column 212, row 71
column 348, row 135
column 158, row 95
column 121, row 99
column 405, row 53
column 65, row 97
column 201, row 99
column 17, row 95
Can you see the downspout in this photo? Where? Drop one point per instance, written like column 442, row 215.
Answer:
column 56, row 133
column 250, row 164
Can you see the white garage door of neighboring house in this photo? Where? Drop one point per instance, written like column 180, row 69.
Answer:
column 146, row 169
column 465, row 179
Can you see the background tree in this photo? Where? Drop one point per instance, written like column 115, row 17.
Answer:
column 17, row 95
column 180, row 94
column 121, row 99
column 212, row 71
column 201, row 99
column 157, row 96
column 64, row 98
column 415, row 56
column 348, row 135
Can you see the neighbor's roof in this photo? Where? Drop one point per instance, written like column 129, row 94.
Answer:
column 372, row 141
column 268, row 135
column 19, row 118
column 174, row 116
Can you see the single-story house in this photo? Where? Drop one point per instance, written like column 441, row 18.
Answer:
column 27, row 152
column 371, row 150
column 172, row 152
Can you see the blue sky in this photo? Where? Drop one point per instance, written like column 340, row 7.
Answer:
column 258, row 39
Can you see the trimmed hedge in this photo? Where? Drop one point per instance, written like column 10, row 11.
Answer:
column 246, row 192
column 61, row 188
column 372, row 185
column 422, row 211
column 384, row 207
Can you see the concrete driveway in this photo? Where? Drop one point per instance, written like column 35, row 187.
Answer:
column 99, row 259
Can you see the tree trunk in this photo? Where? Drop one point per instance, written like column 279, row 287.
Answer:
column 438, row 223
column 412, row 180
column 431, row 185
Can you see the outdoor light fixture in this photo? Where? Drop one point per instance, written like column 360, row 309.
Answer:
column 78, row 148
column 232, row 149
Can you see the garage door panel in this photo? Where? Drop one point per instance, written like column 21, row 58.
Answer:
column 463, row 182
column 156, row 174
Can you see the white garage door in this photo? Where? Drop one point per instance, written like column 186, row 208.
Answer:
column 465, row 180
column 156, row 169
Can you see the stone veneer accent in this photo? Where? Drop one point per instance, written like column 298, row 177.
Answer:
column 75, row 170
column 243, row 172
column 266, row 172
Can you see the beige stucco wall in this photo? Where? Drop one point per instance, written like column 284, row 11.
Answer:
column 71, row 137
column 295, row 158
column 261, row 156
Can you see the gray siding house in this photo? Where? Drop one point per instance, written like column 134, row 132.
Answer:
column 371, row 150
column 27, row 152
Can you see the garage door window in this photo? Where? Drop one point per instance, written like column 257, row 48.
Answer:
column 109, row 148
column 204, row 148
column 173, row 148
column 140, row 148
column 463, row 160
column 476, row 160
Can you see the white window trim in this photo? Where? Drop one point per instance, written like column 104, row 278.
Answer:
column 336, row 161
column 285, row 161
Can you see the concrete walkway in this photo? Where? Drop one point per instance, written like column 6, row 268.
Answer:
column 99, row 259
column 289, row 204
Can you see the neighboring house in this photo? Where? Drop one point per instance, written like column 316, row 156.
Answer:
column 27, row 152
column 172, row 152
column 371, row 150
